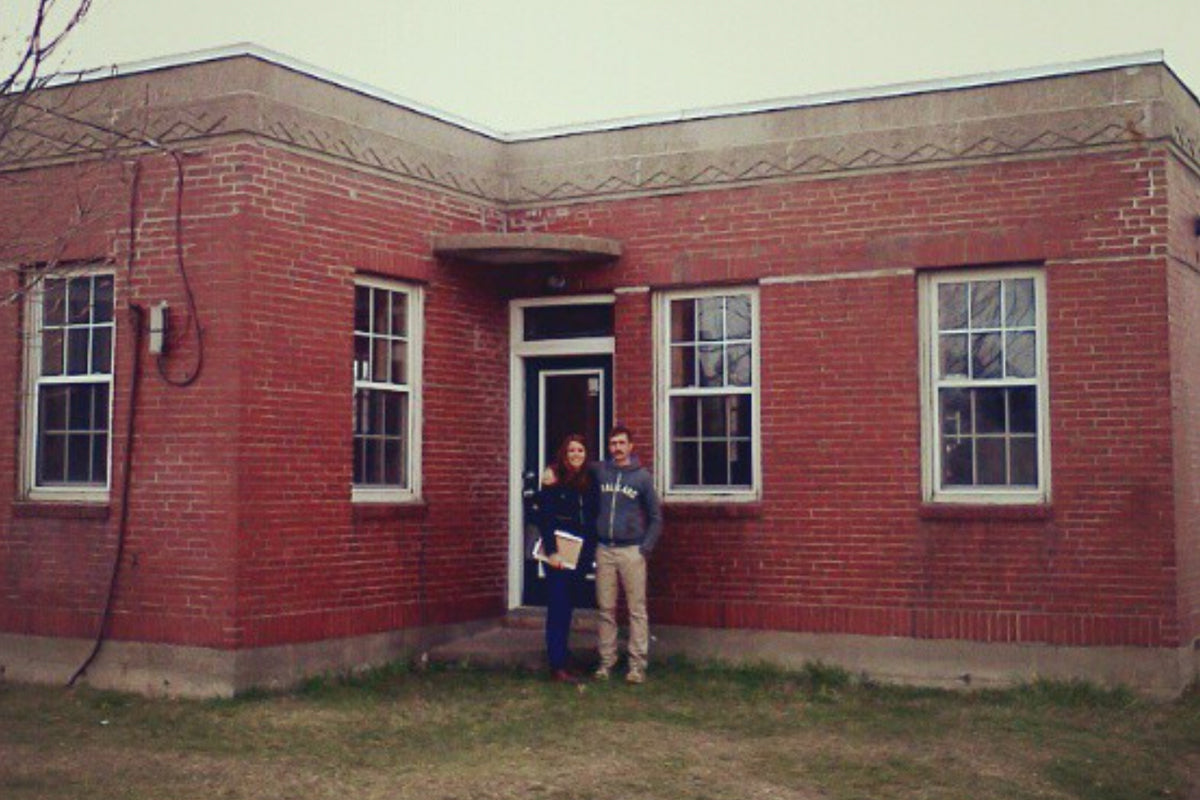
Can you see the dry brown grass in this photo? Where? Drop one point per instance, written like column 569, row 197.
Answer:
column 691, row 732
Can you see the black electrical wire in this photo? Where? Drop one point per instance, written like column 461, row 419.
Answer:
column 138, row 316
column 193, row 319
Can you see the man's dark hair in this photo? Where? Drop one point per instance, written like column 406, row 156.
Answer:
column 617, row 430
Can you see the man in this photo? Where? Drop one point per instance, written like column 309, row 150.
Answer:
column 627, row 528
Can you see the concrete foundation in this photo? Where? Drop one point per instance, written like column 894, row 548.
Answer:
column 174, row 671
column 1160, row 672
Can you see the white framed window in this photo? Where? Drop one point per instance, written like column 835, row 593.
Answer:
column 708, row 386
column 387, row 391
column 67, row 435
column 984, row 390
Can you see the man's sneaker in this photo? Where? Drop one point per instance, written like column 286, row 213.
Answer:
column 601, row 674
column 635, row 676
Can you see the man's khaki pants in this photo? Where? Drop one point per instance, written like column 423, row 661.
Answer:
column 626, row 566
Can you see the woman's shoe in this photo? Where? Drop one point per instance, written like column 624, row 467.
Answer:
column 562, row 676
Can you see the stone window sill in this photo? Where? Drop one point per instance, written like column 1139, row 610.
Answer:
column 372, row 512
column 985, row 512
column 40, row 509
column 685, row 510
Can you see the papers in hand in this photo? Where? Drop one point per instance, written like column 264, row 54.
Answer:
column 569, row 548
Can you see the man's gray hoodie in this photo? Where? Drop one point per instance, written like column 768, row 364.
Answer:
column 629, row 510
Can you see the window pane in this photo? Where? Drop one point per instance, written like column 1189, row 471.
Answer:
column 52, row 352
column 52, row 458
column 1019, row 356
column 379, row 359
column 953, row 353
column 684, row 421
column 102, row 303
column 713, row 420
column 78, row 347
column 79, row 408
column 683, row 321
column 362, row 358
column 1024, row 461
column 985, row 304
column 393, row 413
column 952, row 306
column 399, row 314
column 391, row 462
column 740, row 416
column 989, row 410
column 360, row 411
column 79, row 458
column 568, row 321
column 714, row 464
column 985, row 356
column 400, row 362
column 102, row 351
column 100, row 407
column 379, row 311
column 372, row 461
column 1019, row 303
column 712, row 371
column 991, row 461
column 1022, row 410
column 683, row 365
column 52, row 413
column 739, row 364
column 54, row 304
column 710, row 318
column 79, row 300
column 957, row 456
column 737, row 317
column 100, row 458
column 954, row 406
column 362, row 309
column 685, row 464
column 359, row 454
column 741, row 470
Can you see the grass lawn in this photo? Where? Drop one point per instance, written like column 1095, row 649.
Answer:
column 691, row 731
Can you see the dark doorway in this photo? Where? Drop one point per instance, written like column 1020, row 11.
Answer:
column 563, row 395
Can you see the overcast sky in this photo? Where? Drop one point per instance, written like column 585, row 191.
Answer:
column 519, row 65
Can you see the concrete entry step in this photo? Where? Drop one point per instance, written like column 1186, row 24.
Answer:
column 583, row 620
column 518, row 641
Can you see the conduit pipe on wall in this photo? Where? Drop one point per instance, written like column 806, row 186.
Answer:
column 137, row 317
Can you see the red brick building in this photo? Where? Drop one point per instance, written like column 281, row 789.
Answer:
column 917, row 372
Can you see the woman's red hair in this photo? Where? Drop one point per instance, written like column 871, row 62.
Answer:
column 576, row 479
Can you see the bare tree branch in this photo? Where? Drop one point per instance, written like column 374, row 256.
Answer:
column 28, row 55
column 28, row 58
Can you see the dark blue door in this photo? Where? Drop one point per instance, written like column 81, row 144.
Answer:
column 563, row 395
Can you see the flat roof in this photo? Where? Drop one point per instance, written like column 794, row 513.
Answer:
column 248, row 49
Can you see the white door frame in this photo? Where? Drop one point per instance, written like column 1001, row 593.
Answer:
column 519, row 350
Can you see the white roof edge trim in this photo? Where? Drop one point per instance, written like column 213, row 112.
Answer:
column 1146, row 58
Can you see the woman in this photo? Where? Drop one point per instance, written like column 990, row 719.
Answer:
column 567, row 502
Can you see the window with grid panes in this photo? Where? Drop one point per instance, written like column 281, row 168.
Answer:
column 70, row 368
column 386, row 377
column 986, row 409
column 710, row 392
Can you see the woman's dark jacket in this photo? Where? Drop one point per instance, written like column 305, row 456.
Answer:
column 564, row 508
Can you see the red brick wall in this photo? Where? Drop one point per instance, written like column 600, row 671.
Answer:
column 306, row 568
column 1184, row 275
column 242, row 532
column 176, row 578
column 241, row 528
column 841, row 541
